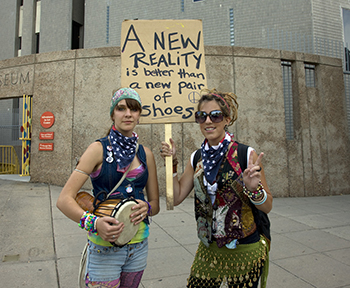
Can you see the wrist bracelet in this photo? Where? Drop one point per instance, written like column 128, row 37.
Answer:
column 95, row 224
column 256, row 195
column 262, row 201
column 149, row 208
column 82, row 220
column 88, row 222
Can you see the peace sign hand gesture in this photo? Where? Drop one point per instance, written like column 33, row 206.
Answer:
column 252, row 175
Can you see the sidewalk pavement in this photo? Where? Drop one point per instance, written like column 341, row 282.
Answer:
column 40, row 247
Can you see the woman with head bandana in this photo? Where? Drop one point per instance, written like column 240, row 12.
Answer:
column 105, row 161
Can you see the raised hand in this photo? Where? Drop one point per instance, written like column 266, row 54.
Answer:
column 252, row 175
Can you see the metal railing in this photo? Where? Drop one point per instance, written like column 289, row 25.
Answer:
column 9, row 163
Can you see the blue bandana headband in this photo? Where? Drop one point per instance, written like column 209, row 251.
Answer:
column 124, row 93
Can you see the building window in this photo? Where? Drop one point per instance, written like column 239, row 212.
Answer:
column 20, row 25
column 347, row 95
column 37, row 42
column 347, row 59
column 15, row 120
column 288, row 98
column 310, row 75
column 197, row 0
column 232, row 28
column 107, row 25
column 76, row 28
column 346, row 33
column 182, row 5
column 37, row 26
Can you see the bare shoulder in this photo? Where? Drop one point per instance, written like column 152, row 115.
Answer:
column 94, row 151
column 95, row 147
column 148, row 151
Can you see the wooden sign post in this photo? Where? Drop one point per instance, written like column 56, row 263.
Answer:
column 163, row 60
column 169, row 171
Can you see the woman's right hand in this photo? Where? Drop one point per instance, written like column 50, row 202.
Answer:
column 166, row 150
column 109, row 229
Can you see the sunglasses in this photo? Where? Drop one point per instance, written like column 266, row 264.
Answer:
column 215, row 116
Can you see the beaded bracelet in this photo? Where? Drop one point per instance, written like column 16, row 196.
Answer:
column 262, row 201
column 88, row 222
column 256, row 195
column 82, row 220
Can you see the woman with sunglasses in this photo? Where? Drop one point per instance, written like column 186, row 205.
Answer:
column 229, row 183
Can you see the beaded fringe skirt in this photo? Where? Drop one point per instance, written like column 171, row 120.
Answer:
column 223, row 267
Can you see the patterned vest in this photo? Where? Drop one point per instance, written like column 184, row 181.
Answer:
column 231, row 216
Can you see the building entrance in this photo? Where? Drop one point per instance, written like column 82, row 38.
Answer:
column 15, row 135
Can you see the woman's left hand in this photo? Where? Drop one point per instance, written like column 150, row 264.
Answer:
column 252, row 175
column 140, row 213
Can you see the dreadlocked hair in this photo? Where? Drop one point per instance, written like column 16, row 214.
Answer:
column 224, row 99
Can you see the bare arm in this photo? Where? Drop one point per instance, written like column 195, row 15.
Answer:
column 152, row 190
column 182, row 187
column 91, row 158
column 89, row 161
column 152, row 187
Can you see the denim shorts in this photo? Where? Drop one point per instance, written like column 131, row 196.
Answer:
column 107, row 263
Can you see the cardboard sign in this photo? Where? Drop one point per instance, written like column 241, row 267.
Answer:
column 45, row 146
column 47, row 119
column 163, row 60
column 46, row 135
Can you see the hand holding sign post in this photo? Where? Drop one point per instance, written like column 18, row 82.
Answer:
column 164, row 61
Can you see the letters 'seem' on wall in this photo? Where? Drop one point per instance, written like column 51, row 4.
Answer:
column 163, row 60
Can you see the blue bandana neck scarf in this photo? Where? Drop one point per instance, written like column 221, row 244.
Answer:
column 124, row 148
column 213, row 156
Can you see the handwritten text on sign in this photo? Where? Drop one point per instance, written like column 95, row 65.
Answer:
column 164, row 61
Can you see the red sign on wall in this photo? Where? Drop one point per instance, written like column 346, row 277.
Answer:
column 46, row 135
column 45, row 146
column 47, row 119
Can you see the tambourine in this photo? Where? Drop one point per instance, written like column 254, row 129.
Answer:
column 120, row 209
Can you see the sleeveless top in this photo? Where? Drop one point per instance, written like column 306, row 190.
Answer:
column 130, row 187
column 109, row 177
column 231, row 216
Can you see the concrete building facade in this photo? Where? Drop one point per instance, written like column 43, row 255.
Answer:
column 306, row 158
column 76, row 86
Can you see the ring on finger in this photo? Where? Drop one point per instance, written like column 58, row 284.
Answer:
column 113, row 236
column 141, row 215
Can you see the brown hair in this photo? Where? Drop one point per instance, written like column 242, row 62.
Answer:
column 226, row 100
column 132, row 105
